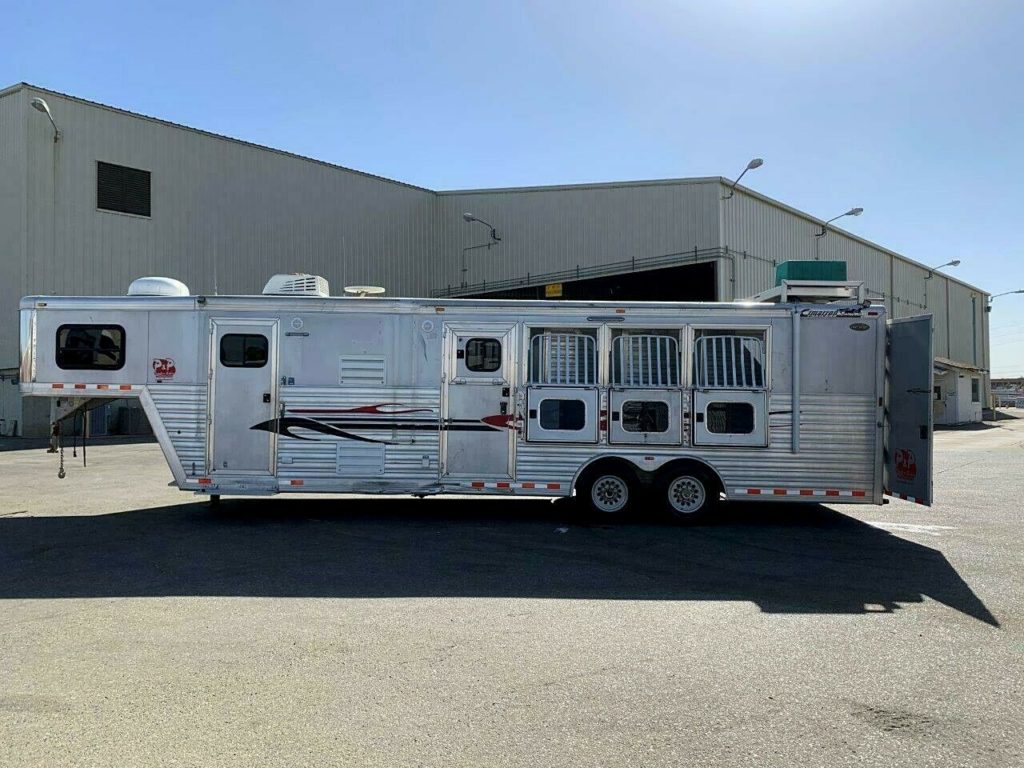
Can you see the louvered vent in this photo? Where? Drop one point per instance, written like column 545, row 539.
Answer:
column 362, row 371
column 297, row 284
column 122, row 189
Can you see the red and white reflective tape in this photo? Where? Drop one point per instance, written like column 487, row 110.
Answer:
column 905, row 497
column 509, row 486
column 96, row 387
column 824, row 492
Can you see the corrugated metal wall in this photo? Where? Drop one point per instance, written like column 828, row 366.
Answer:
column 13, row 108
column 217, row 204
column 560, row 228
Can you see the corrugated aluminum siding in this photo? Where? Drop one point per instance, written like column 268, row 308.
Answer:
column 13, row 111
column 250, row 211
column 549, row 229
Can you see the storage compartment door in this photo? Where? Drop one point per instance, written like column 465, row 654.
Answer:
column 645, row 417
column 907, row 452
column 562, row 415
column 730, row 417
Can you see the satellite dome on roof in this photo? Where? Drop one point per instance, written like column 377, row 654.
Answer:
column 297, row 284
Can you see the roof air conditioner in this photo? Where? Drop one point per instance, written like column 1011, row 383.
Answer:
column 297, row 284
column 157, row 286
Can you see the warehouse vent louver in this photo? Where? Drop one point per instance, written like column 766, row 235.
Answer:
column 122, row 189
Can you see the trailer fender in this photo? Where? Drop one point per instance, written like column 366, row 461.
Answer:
column 647, row 467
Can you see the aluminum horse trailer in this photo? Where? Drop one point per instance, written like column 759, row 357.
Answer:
column 806, row 394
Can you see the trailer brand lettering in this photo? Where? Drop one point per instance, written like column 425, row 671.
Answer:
column 687, row 400
column 163, row 368
column 839, row 312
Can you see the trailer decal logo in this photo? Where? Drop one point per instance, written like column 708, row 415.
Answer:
column 839, row 312
column 906, row 464
column 365, row 419
column 163, row 368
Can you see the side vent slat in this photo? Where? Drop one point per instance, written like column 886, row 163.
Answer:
column 362, row 370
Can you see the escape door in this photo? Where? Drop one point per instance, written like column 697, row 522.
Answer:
column 477, row 420
column 243, row 394
column 907, row 449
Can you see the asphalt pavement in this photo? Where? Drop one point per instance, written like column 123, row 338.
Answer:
column 139, row 626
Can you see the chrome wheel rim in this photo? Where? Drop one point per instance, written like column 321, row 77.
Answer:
column 686, row 494
column 609, row 493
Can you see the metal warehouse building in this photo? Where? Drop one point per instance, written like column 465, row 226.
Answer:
column 102, row 196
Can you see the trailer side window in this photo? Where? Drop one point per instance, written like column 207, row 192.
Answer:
column 90, row 347
column 564, row 415
column 645, row 416
column 483, row 355
column 645, row 360
column 730, row 418
column 243, row 350
column 563, row 359
column 728, row 361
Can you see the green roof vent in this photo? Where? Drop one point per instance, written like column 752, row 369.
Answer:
column 810, row 270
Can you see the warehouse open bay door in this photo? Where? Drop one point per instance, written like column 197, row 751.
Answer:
column 908, row 440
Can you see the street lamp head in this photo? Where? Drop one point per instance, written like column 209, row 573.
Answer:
column 954, row 263
column 757, row 162
column 468, row 216
column 855, row 212
column 41, row 105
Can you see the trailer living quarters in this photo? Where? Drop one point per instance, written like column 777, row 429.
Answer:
column 809, row 395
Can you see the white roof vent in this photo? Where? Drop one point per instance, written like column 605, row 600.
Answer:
column 297, row 284
column 157, row 286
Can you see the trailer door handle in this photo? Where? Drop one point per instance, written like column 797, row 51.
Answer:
column 503, row 409
column 266, row 397
column 699, row 418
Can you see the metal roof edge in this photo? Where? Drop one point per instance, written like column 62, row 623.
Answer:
column 211, row 134
column 12, row 89
column 695, row 180
column 857, row 238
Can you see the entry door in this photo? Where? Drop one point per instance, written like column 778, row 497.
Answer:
column 908, row 409
column 478, row 423
column 243, row 362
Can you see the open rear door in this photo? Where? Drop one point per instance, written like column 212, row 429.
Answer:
column 907, row 457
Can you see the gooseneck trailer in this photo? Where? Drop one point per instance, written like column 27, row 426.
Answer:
column 807, row 394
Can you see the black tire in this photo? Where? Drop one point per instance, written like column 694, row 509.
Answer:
column 608, row 492
column 214, row 499
column 687, row 494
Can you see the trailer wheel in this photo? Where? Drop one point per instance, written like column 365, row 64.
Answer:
column 607, row 492
column 687, row 494
column 214, row 499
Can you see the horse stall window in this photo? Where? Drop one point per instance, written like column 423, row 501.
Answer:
column 730, row 418
column 645, row 416
column 563, row 414
column 645, row 359
column 90, row 347
column 728, row 359
column 563, row 358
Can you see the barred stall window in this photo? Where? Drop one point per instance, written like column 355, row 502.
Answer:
column 728, row 362
column 563, row 358
column 645, row 360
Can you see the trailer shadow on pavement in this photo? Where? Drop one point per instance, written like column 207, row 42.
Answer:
column 786, row 559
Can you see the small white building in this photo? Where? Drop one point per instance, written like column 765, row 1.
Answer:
column 958, row 392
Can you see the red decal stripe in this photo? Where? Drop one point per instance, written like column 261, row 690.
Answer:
column 860, row 493
column 753, row 491
column 806, row 492
column 529, row 485
column 831, row 493
column 502, row 485
column 554, row 486
column 476, row 484
column 779, row 491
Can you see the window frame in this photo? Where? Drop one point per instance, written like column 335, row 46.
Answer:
column 646, row 402
column 586, row 331
column 727, row 403
column 123, row 347
column 243, row 364
column 975, row 389
column 761, row 331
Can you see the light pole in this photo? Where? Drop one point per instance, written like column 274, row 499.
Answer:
column 42, row 106
column 824, row 228
column 997, row 295
column 931, row 273
column 469, row 218
column 754, row 164
column 851, row 212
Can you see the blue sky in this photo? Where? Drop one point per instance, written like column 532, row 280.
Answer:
column 913, row 109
